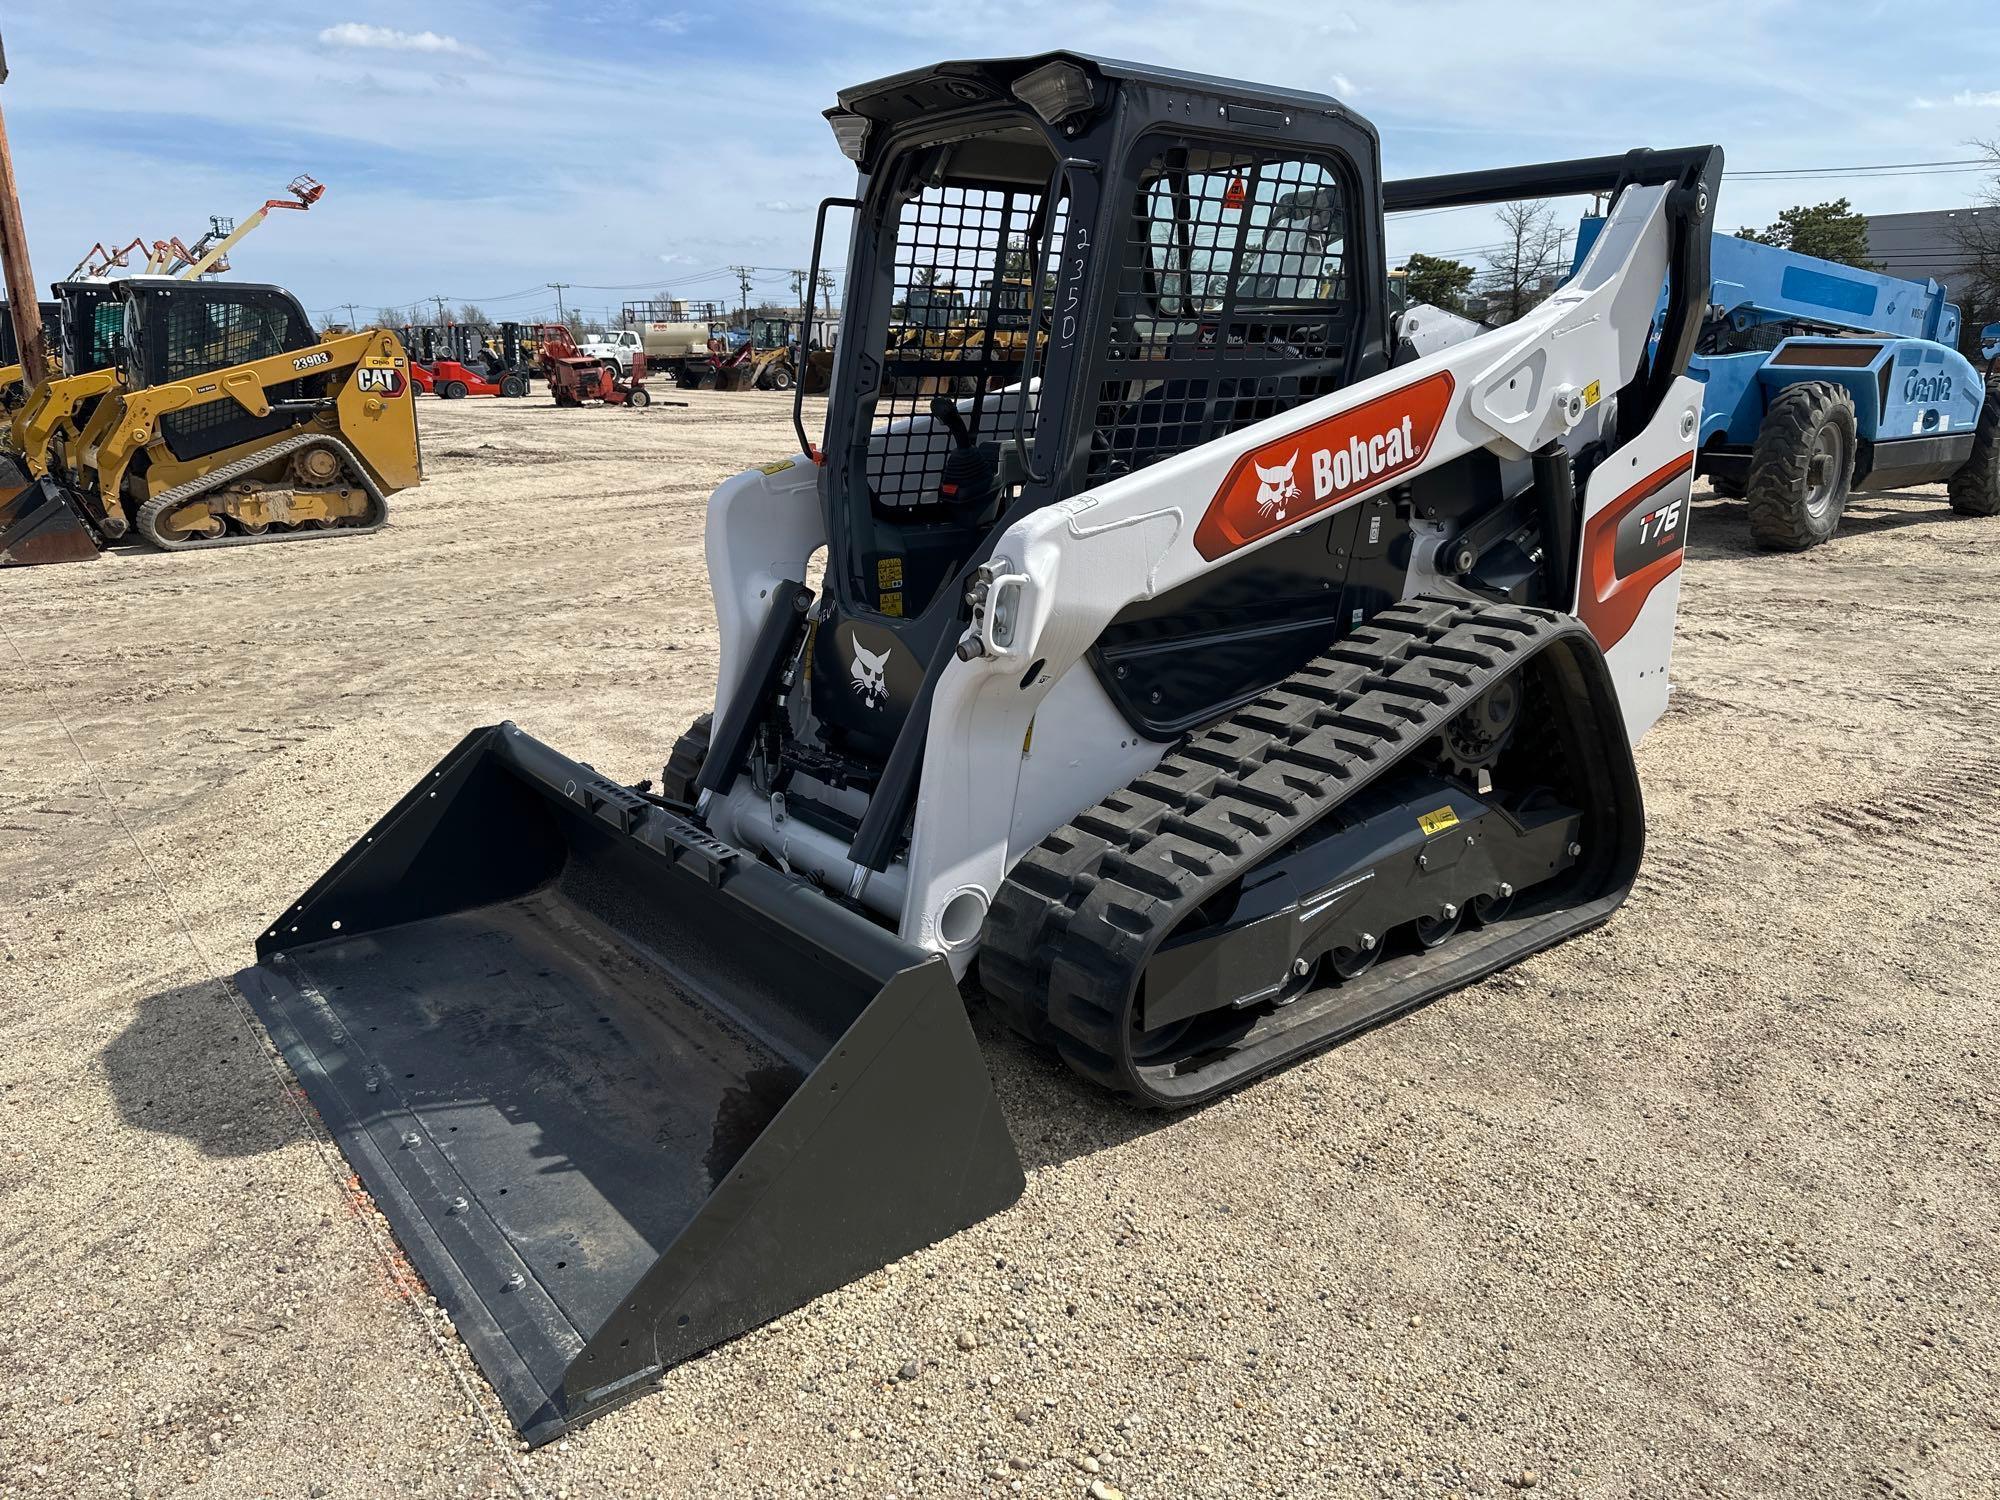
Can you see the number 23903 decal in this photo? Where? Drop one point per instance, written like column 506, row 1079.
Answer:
column 312, row 361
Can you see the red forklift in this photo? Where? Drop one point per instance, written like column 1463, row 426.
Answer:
column 473, row 368
column 420, row 343
column 575, row 377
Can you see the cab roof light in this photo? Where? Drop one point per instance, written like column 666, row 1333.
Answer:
column 851, row 131
column 1056, row 91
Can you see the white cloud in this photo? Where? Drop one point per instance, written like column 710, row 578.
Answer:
column 782, row 206
column 388, row 39
column 1343, row 86
column 1963, row 99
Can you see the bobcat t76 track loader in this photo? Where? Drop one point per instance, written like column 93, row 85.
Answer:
column 1209, row 674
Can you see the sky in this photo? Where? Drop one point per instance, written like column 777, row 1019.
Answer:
column 478, row 151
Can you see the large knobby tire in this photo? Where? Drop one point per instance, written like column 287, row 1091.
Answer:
column 1802, row 467
column 1975, row 488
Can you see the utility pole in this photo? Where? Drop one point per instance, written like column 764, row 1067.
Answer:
column 26, row 312
column 826, row 285
column 799, row 298
column 350, row 315
column 743, row 281
column 558, row 287
column 440, row 301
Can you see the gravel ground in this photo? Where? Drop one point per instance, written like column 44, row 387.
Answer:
column 1701, row 1203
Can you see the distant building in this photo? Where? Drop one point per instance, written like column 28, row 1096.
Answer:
column 1928, row 245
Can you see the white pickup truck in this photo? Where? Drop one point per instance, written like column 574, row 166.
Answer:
column 616, row 347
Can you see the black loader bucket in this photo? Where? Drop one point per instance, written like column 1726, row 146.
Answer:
column 40, row 524
column 622, row 1091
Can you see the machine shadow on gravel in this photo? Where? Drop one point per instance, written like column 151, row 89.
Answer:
column 1721, row 527
column 1054, row 1115
column 192, row 1064
column 187, row 1066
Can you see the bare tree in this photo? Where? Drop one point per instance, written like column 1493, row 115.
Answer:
column 1976, row 287
column 472, row 315
column 1529, row 257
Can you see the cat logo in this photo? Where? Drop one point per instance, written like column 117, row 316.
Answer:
column 379, row 379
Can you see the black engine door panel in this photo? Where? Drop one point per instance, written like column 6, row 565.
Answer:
column 1173, row 663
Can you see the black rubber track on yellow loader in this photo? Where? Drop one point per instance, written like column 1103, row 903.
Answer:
column 147, row 521
column 1070, row 933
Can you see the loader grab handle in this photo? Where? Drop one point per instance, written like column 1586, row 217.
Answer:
column 806, row 444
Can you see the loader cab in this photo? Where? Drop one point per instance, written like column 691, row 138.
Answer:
column 10, row 347
column 1064, row 270
column 91, row 323
column 182, row 330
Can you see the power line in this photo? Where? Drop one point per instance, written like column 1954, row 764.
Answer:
column 1918, row 168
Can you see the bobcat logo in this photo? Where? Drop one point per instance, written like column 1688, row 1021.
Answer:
column 1276, row 488
column 866, row 675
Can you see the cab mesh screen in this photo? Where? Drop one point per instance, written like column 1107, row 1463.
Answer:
column 958, row 325
column 1232, row 300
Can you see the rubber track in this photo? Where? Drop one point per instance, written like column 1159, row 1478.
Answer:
column 1079, row 916
column 147, row 521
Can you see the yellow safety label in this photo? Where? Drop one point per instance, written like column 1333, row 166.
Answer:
column 888, row 572
column 786, row 463
column 890, row 604
column 1591, row 392
column 1437, row 822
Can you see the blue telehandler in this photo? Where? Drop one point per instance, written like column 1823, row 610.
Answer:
column 1823, row 380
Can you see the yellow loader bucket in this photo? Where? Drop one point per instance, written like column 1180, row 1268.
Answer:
column 39, row 523
column 622, row 1091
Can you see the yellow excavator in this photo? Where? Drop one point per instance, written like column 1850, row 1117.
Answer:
column 223, row 421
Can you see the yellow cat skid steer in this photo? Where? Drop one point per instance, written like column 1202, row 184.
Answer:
column 13, row 383
column 85, row 324
column 227, row 423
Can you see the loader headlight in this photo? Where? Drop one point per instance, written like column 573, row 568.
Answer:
column 851, row 131
column 1055, row 91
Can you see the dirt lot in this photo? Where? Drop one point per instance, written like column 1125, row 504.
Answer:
column 1703, row 1203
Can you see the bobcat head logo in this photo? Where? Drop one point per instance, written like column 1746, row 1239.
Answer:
column 1276, row 488
column 865, row 675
